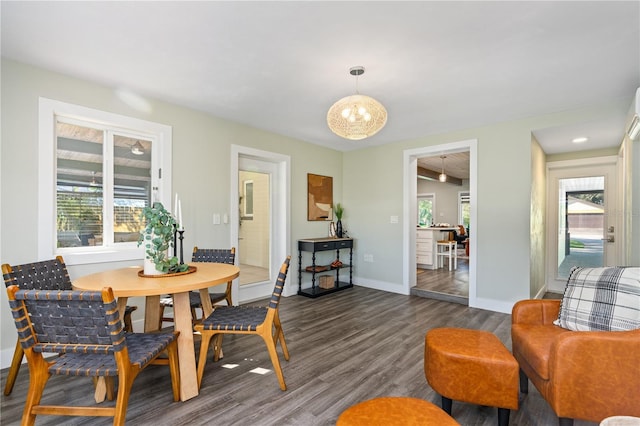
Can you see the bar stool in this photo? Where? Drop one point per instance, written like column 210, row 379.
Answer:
column 447, row 249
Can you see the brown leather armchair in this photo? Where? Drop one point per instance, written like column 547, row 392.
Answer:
column 588, row 375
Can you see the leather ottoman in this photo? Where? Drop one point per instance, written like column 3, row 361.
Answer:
column 471, row 366
column 394, row 411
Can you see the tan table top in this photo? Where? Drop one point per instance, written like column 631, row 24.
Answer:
column 125, row 282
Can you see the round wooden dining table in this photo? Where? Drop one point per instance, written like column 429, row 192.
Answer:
column 126, row 282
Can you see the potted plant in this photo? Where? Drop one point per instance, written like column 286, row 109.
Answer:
column 339, row 211
column 157, row 237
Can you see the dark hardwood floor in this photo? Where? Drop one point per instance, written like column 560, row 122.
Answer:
column 442, row 284
column 345, row 348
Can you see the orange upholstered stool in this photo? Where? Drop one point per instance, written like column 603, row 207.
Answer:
column 394, row 411
column 471, row 366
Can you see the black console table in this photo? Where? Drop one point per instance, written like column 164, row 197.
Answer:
column 314, row 245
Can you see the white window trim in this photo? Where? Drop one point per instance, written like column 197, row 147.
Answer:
column 161, row 186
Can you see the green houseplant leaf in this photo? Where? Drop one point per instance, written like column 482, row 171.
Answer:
column 339, row 211
column 157, row 237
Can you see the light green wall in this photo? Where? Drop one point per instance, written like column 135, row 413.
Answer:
column 201, row 168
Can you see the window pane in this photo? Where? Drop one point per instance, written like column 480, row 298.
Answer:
column 132, row 186
column 425, row 211
column 79, row 189
column 464, row 208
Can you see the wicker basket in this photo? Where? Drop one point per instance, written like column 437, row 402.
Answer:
column 326, row 281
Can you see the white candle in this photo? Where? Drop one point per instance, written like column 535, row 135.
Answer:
column 180, row 214
column 175, row 207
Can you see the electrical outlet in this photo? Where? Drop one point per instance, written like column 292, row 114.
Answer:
column 216, row 219
column 368, row 258
column 393, row 219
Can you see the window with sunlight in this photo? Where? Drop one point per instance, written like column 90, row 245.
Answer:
column 426, row 207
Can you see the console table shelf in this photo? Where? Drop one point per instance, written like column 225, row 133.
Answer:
column 314, row 245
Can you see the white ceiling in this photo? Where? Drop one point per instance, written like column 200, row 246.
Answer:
column 279, row 66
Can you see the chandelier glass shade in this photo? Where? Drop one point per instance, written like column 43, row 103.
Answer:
column 443, row 176
column 357, row 116
column 137, row 149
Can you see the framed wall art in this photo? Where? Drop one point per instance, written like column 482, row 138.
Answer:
column 319, row 197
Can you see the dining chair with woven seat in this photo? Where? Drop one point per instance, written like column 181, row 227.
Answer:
column 44, row 275
column 256, row 320
column 203, row 255
column 85, row 330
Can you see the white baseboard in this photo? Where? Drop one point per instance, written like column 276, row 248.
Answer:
column 379, row 285
column 494, row 305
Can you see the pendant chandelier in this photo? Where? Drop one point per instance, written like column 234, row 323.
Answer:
column 137, row 149
column 443, row 176
column 357, row 116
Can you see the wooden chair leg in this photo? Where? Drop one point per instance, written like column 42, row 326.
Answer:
column 280, row 337
column 202, row 360
column 111, row 386
column 174, row 368
column 161, row 317
column 273, row 354
column 16, row 361
column 128, row 326
column 217, row 354
column 228, row 293
column 38, row 377
column 125, row 382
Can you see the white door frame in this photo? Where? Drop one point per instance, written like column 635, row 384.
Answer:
column 410, row 213
column 280, row 219
column 598, row 166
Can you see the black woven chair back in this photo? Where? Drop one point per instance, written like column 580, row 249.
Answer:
column 277, row 290
column 67, row 321
column 46, row 275
column 214, row 255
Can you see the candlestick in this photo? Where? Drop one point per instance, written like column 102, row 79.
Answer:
column 181, row 232
column 175, row 240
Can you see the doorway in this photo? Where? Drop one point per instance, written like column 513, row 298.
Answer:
column 254, row 233
column 443, row 203
column 411, row 210
column 582, row 231
column 260, row 187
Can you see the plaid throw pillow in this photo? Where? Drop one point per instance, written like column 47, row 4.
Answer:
column 601, row 299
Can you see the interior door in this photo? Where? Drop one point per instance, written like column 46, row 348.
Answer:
column 255, row 227
column 582, row 228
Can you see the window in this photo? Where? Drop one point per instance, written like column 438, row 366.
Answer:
column 464, row 208
column 248, row 199
column 98, row 171
column 426, row 207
